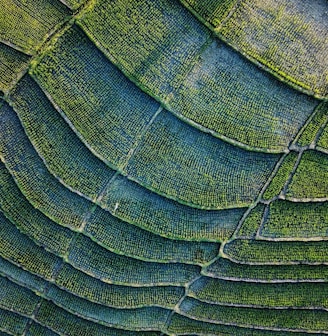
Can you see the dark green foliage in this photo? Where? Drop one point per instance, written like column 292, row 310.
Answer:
column 278, row 252
column 148, row 318
column 11, row 322
column 27, row 23
column 105, row 265
column 137, row 205
column 272, row 295
column 223, row 268
column 68, row 324
column 207, row 176
column 286, row 37
column 110, row 112
column 289, row 219
column 281, row 177
column 12, row 62
column 256, row 317
column 24, row 164
column 252, row 222
column 56, row 142
column 155, row 42
column 211, row 11
column 28, row 219
column 18, row 249
column 106, row 294
column 310, row 179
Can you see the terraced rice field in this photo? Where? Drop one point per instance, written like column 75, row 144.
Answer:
column 163, row 167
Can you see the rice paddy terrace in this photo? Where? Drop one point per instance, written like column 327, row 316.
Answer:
column 164, row 167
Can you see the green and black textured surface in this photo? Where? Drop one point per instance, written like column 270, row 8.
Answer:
column 164, row 167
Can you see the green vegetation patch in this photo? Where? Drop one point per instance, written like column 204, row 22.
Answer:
column 211, row 11
column 31, row 175
column 28, row 219
column 16, row 298
column 281, row 177
column 310, row 178
column 12, row 62
column 308, row 136
column 271, row 295
column 186, row 164
column 289, row 219
column 148, row 318
column 27, row 23
column 182, row 325
column 103, row 264
column 224, row 268
column 137, row 205
column 133, row 241
column 20, row 250
column 105, row 108
column 65, row 323
column 63, row 152
column 279, row 252
column 38, row 330
column 74, row 4
column 323, row 140
column 257, row 317
column 230, row 96
column 95, row 290
column 12, row 322
column 155, row 42
column 252, row 222
column 21, row 276
column 286, row 36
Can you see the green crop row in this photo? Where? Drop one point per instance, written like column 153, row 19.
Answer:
column 252, row 222
column 165, row 142
column 137, row 205
column 131, row 240
column 19, row 275
column 228, row 94
column 68, row 324
column 28, row 219
column 154, row 42
column 12, row 62
column 270, row 295
column 281, row 177
column 127, row 203
column 19, row 249
column 92, row 289
column 108, row 266
column 26, row 23
column 312, row 129
column 323, row 140
column 224, row 268
column 64, row 153
column 36, row 329
column 16, row 298
column 284, row 36
column 289, row 219
column 12, row 323
column 207, row 82
column 314, row 320
column 148, row 318
column 182, row 325
column 56, row 201
column 211, row 11
column 309, row 180
column 208, row 177
column 279, row 252
column 109, row 112
column 80, row 284
column 102, row 227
